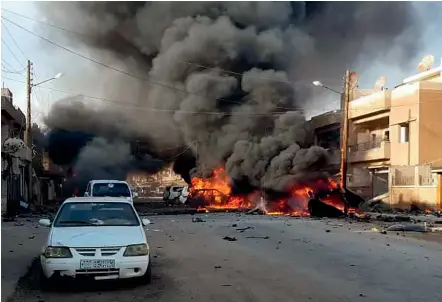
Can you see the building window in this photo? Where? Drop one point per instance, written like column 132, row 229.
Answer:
column 387, row 135
column 404, row 133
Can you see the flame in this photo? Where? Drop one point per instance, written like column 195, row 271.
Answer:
column 216, row 192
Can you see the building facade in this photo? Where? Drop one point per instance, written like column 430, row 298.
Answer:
column 16, row 157
column 395, row 141
column 152, row 185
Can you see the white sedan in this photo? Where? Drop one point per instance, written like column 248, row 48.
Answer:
column 98, row 237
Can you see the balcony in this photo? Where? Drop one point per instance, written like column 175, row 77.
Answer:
column 370, row 151
column 11, row 112
column 368, row 105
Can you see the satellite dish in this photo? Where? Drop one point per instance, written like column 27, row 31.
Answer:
column 354, row 76
column 380, row 83
column 426, row 63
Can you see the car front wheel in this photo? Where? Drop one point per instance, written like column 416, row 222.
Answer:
column 147, row 277
column 44, row 282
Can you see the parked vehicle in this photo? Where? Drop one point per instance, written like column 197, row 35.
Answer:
column 99, row 237
column 110, row 188
column 175, row 195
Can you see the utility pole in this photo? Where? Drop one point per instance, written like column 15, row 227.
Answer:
column 344, row 137
column 28, row 131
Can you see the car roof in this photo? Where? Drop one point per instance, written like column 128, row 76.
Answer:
column 108, row 180
column 97, row 199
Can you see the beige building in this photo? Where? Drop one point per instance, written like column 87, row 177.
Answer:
column 16, row 157
column 395, row 141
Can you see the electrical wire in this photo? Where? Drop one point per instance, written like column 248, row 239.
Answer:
column 126, row 105
column 180, row 61
column 48, row 24
column 205, row 112
column 12, row 53
column 149, row 80
column 13, row 40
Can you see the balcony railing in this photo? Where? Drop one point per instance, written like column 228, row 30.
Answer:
column 368, row 145
column 373, row 150
column 370, row 104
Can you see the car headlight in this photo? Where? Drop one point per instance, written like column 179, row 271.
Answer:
column 136, row 250
column 57, row 252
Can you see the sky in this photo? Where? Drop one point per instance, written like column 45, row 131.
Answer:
column 48, row 60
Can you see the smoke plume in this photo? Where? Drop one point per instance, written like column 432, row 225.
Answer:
column 227, row 81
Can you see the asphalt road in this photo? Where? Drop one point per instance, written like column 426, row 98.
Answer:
column 299, row 260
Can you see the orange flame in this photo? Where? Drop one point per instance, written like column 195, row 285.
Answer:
column 216, row 193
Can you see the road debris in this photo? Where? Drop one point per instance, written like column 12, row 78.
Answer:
column 242, row 230
column 228, row 238
column 197, row 219
column 258, row 237
column 256, row 211
column 408, row 228
column 217, row 266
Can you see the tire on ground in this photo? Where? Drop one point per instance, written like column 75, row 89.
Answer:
column 147, row 277
column 166, row 195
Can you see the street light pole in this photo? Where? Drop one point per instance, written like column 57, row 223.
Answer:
column 28, row 139
column 345, row 102
column 28, row 131
column 344, row 137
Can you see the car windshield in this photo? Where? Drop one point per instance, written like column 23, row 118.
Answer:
column 75, row 214
column 111, row 189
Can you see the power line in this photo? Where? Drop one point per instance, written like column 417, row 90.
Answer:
column 108, row 66
column 124, row 104
column 12, row 53
column 148, row 79
column 11, row 68
column 180, row 61
column 13, row 40
column 48, row 24
column 5, row 69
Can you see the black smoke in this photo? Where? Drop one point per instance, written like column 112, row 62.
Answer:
column 86, row 156
column 190, row 110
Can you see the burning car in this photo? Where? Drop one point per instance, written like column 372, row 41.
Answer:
column 322, row 197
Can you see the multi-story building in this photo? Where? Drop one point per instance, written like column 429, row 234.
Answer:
column 50, row 180
column 327, row 131
column 153, row 184
column 395, row 141
column 14, row 164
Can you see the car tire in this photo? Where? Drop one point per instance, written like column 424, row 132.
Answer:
column 166, row 195
column 147, row 277
column 44, row 282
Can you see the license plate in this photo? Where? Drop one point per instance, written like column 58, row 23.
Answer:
column 97, row 264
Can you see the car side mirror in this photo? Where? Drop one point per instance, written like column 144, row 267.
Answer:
column 145, row 221
column 45, row 222
column 86, row 194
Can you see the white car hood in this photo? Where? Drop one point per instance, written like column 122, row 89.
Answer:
column 96, row 236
